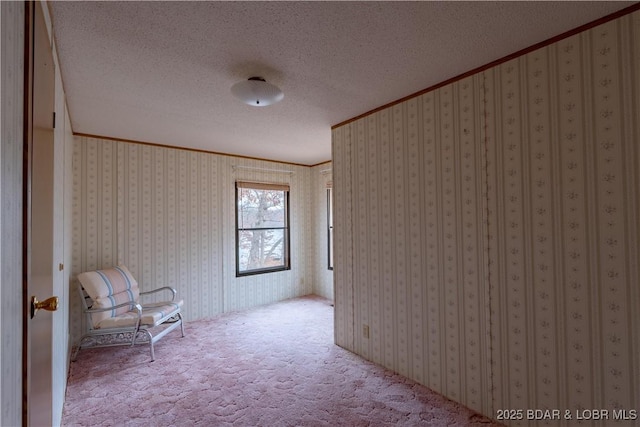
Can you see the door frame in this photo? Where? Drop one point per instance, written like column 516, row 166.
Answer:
column 26, row 191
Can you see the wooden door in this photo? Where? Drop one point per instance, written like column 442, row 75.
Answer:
column 39, row 217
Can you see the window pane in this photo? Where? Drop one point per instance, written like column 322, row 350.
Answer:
column 261, row 208
column 260, row 249
column 262, row 232
column 331, row 248
column 330, row 206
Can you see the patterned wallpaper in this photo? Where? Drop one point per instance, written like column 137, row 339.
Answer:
column 563, row 134
column 169, row 215
column 343, row 245
column 11, row 88
column 413, row 174
column 494, row 253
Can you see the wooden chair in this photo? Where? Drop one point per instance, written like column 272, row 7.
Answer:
column 115, row 315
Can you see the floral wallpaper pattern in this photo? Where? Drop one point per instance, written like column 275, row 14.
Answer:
column 418, row 253
column 495, row 249
column 564, row 151
column 343, row 246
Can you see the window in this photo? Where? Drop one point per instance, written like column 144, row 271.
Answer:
column 330, row 225
column 262, row 228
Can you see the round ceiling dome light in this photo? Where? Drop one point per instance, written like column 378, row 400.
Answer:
column 257, row 92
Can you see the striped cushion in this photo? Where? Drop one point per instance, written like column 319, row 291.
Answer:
column 108, row 288
column 151, row 315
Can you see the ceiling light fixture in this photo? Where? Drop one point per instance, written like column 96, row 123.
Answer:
column 257, row 92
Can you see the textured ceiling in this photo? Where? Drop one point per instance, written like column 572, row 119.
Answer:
column 161, row 72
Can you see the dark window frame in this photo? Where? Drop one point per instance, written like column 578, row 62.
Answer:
column 286, row 228
column 330, row 228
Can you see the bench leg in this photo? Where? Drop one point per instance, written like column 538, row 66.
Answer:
column 181, row 324
column 153, row 354
column 151, row 339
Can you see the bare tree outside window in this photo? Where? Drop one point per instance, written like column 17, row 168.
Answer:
column 262, row 228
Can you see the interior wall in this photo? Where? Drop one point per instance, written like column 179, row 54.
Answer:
column 322, row 276
column 68, row 227
column 564, row 192
column 419, row 297
column 11, row 148
column 494, row 253
column 343, row 244
column 62, row 154
column 169, row 215
column 250, row 291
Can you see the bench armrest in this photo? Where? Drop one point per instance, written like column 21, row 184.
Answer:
column 164, row 288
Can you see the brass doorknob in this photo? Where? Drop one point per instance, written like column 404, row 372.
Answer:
column 50, row 304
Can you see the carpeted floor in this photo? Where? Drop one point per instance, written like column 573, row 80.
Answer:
column 271, row 366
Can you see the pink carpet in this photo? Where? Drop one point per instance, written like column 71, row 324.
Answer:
column 271, row 366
